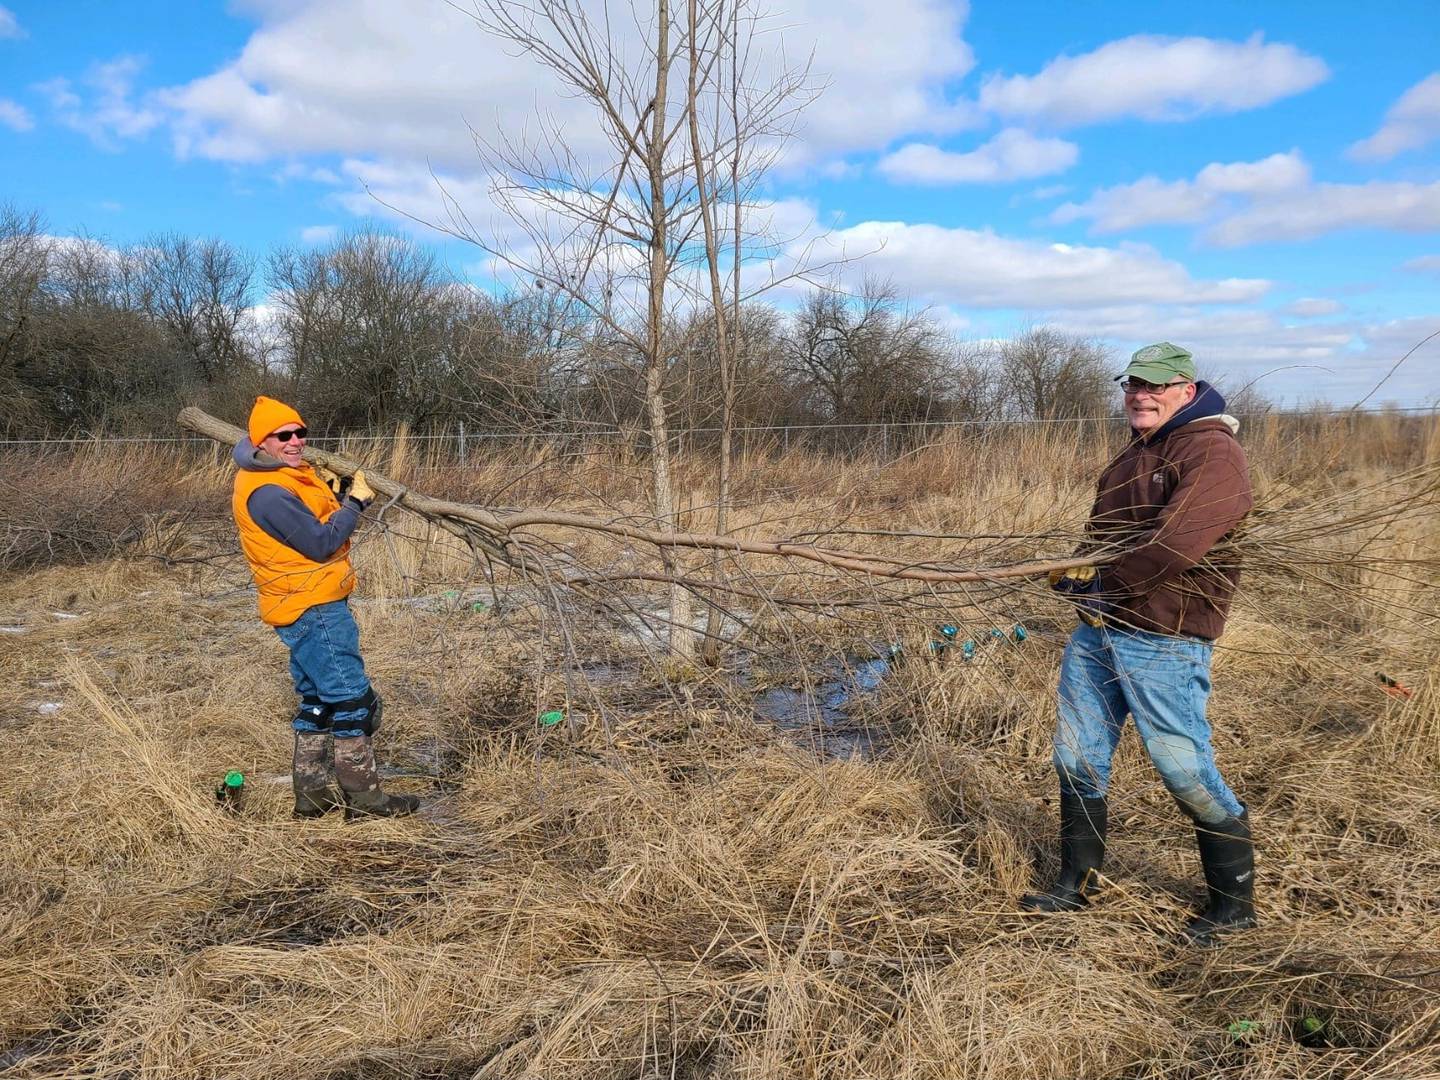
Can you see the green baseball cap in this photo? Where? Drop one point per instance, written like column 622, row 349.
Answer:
column 1160, row 363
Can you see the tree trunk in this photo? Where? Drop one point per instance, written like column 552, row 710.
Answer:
column 682, row 635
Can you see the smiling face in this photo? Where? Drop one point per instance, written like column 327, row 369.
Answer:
column 289, row 451
column 1150, row 410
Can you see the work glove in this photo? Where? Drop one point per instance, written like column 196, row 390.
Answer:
column 1082, row 585
column 361, row 490
column 338, row 485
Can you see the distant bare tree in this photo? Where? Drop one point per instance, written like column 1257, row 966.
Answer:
column 366, row 329
column 199, row 290
column 868, row 358
column 1048, row 374
column 98, row 359
column 24, row 266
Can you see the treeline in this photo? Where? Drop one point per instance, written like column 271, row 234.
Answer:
column 371, row 331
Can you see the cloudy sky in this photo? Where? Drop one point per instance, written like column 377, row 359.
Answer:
column 1260, row 182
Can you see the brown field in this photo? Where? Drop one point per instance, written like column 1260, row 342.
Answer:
column 665, row 885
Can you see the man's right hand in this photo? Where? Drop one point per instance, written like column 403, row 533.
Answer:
column 1077, row 579
column 1082, row 583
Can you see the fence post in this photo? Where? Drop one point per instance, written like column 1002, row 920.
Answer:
column 462, row 442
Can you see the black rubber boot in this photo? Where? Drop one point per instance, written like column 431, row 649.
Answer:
column 360, row 782
column 1082, row 852
column 1228, row 857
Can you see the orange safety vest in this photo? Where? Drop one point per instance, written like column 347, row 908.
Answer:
column 288, row 582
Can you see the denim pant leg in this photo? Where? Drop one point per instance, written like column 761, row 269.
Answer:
column 324, row 648
column 1167, row 683
column 1091, row 708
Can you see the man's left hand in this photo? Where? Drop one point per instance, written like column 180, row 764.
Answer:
column 338, row 485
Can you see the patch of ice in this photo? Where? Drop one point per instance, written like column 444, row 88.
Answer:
column 48, row 708
column 64, row 614
column 14, row 629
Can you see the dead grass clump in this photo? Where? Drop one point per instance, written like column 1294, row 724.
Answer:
column 1006, row 1010
column 98, row 500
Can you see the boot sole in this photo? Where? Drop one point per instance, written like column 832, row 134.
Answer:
column 1211, row 936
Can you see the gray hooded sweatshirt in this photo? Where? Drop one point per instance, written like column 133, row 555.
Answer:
column 285, row 518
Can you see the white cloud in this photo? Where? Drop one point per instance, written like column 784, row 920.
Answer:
column 15, row 116
column 1155, row 78
column 1325, row 208
column 979, row 268
column 470, row 206
column 1289, row 362
column 411, row 193
column 1148, row 201
column 1313, row 307
column 102, row 107
column 375, row 78
column 1410, row 123
column 1425, row 264
column 1151, row 201
column 319, row 234
column 299, row 170
column 1013, row 154
column 9, row 24
column 1258, row 202
column 1276, row 173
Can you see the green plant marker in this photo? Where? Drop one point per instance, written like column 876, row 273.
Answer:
column 1238, row 1029
column 1311, row 1024
column 228, row 792
column 479, row 607
column 551, row 718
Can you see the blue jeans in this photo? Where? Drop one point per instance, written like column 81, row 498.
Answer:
column 325, row 663
column 1163, row 682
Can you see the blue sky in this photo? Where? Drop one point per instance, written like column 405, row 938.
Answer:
column 1260, row 182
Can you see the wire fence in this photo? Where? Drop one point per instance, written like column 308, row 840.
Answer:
column 880, row 435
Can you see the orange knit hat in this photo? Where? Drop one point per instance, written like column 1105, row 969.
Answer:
column 269, row 414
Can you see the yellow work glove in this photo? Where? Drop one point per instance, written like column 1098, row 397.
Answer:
column 360, row 489
column 1075, row 579
column 1082, row 583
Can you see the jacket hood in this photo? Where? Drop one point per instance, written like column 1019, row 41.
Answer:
column 1209, row 404
column 249, row 456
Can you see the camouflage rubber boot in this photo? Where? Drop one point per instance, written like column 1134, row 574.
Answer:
column 360, row 782
column 312, row 774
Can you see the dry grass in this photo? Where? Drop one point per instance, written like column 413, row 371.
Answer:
column 665, row 887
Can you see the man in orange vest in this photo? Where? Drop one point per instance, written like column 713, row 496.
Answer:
column 295, row 524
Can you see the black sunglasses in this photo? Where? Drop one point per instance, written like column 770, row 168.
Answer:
column 286, row 436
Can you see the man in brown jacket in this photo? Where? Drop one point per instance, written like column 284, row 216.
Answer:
column 1149, row 618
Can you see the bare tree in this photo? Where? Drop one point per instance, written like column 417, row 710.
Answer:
column 199, row 291
column 1048, row 374
column 867, row 358
column 366, row 325
column 24, row 266
column 612, row 228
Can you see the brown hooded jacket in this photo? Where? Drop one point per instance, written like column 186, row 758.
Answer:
column 1167, row 501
